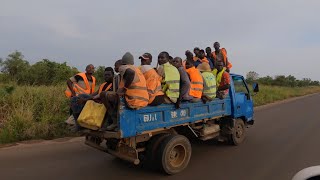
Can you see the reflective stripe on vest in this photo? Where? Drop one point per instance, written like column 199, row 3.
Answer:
column 79, row 90
column 210, row 87
column 196, row 86
column 153, row 81
column 224, row 56
column 171, row 85
column 136, row 94
column 102, row 85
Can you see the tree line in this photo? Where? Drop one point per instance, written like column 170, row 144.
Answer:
column 44, row 72
column 15, row 68
column 280, row 80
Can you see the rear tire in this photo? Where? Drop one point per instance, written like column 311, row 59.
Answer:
column 238, row 133
column 175, row 154
column 151, row 161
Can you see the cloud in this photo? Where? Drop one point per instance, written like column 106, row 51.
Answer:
column 269, row 37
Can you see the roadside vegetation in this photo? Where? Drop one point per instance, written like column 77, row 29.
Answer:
column 33, row 105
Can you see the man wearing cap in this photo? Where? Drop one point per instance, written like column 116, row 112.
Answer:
column 209, row 82
column 153, row 80
column 221, row 55
column 132, row 87
column 170, row 78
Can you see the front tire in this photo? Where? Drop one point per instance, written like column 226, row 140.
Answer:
column 238, row 133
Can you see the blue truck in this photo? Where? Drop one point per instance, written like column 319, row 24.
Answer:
column 159, row 136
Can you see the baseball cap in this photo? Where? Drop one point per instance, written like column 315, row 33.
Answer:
column 146, row 56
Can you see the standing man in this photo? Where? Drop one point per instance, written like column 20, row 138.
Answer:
column 170, row 78
column 222, row 79
column 153, row 80
column 81, row 83
column 221, row 55
column 210, row 57
column 201, row 58
column 196, row 53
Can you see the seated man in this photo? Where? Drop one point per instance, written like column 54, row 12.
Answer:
column 196, row 85
column 153, row 80
column 81, row 83
column 170, row 78
column 132, row 86
column 209, row 81
column 184, row 80
column 79, row 101
column 223, row 80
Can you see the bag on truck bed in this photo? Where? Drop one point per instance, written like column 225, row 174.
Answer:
column 92, row 115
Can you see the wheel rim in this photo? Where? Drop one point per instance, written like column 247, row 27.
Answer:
column 239, row 131
column 177, row 155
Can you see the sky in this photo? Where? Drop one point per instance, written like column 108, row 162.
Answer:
column 269, row 37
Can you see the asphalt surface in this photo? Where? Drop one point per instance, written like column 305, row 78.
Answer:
column 284, row 140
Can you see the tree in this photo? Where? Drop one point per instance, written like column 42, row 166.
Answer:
column 252, row 76
column 15, row 66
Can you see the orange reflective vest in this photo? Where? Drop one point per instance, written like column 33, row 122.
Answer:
column 136, row 94
column 153, row 81
column 196, row 86
column 102, row 85
column 224, row 55
column 79, row 90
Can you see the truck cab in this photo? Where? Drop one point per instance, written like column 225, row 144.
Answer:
column 159, row 136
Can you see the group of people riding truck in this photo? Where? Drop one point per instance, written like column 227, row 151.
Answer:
column 202, row 76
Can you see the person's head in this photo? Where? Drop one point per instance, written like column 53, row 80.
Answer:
column 204, row 67
column 108, row 74
column 189, row 64
column 163, row 57
column 189, row 55
column 177, row 62
column 90, row 69
column 201, row 54
column 170, row 58
column 216, row 46
column 196, row 51
column 117, row 64
column 208, row 51
column 127, row 59
column 219, row 65
column 146, row 59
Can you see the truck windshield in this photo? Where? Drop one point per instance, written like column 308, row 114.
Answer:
column 239, row 85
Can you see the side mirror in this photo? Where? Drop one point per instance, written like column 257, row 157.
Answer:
column 255, row 87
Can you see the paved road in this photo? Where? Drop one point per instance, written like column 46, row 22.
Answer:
column 284, row 140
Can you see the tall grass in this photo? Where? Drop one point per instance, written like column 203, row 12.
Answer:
column 32, row 112
column 39, row 112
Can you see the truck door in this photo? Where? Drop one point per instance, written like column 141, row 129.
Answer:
column 243, row 100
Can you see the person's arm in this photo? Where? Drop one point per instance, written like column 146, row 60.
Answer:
column 70, row 86
column 128, row 77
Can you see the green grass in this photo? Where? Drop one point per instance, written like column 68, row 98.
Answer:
column 39, row 112
column 269, row 94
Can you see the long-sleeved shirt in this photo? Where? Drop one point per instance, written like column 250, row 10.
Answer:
column 184, row 85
